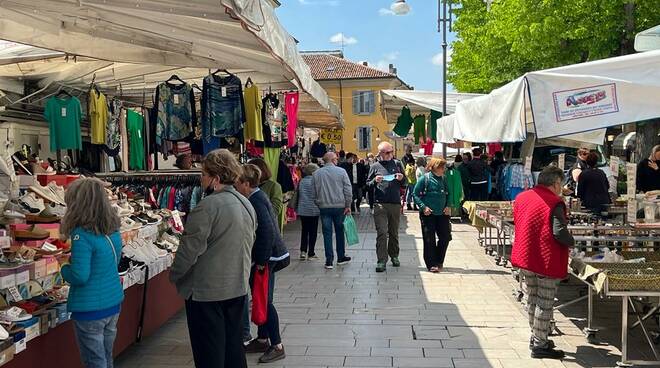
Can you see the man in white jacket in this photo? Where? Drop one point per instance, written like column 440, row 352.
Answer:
column 333, row 196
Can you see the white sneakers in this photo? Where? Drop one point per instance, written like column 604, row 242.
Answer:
column 32, row 203
column 54, row 209
column 52, row 192
column 58, row 191
column 143, row 251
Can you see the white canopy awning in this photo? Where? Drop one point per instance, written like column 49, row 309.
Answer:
column 566, row 100
column 648, row 40
column 139, row 43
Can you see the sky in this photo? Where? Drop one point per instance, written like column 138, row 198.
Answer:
column 372, row 33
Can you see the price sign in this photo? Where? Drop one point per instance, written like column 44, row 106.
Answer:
column 528, row 165
column 561, row 161
column 614, row 166
column 331, row 136
column 631, row 173
column 15, row 296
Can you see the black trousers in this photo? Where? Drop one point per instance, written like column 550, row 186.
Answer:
column 310, row 226
column 435, row 227
column 479, row 192
column 216, row 333
column 357, row 198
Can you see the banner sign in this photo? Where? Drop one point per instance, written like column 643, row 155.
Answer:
column 585, row 102
column 331, row 136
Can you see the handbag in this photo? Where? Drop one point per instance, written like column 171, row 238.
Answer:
column 351, row 231
column 260, row 296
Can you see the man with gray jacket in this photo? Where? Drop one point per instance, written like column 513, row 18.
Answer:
column 333, row 197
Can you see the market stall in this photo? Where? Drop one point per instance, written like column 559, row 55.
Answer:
column 138, row 76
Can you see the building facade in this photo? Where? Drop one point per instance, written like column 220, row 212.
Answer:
column 355, row 88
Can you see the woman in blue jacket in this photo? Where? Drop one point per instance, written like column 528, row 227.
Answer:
column 95, row 293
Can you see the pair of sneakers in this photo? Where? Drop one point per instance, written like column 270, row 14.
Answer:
column 304, row 256
column 341, row 261
column 143, row 251
column 382, row 266
column 546, row 352
column 270, row 352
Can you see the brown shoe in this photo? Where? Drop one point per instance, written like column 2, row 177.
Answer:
column 273, row 354
column 31, row 233
column 256, row 346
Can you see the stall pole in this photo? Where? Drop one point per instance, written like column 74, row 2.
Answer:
column 444, row 64
column 624, row 332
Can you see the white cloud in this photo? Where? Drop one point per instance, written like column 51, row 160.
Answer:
column 341, row 38
column 437, row 58
column 381, row 11
column 384, row 63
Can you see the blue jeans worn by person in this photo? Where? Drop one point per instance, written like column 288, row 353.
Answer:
column 271, row 329
column 95, row 339
column 330, row 217
column 247, row 335
column 409, row 195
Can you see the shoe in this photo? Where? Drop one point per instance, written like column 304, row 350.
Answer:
column 54, row 209
column 31, row 233
column 547, row 353
column 273, row 354
column 380, row 267
column 303, row 256
column 551, row 344
column 41, row 219
column 328, row 266
column 256, row 346
column 13, row 214
column 396, row 262
column 45, row 193
column 312, row 256
column 58, row 192
column 14, row 314
column 31, row 203
column 343, row 261
column 409, row 207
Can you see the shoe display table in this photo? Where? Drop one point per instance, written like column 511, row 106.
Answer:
column 58, row 347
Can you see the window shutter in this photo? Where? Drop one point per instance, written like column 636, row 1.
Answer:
column 372, row 102
column 356, row 102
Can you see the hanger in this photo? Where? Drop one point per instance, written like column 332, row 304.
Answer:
column 194, row 85
column 174, row 77
column 62, row 91
column 221, row 71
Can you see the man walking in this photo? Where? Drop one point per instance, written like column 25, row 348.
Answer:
column 386, row 178
column 357, row 175
column 333, row 196
column 540, row 250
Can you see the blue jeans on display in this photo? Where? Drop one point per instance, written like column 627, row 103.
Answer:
column 95, row 339
column 330, row 217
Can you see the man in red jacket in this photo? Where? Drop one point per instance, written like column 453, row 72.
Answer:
column 540, row 250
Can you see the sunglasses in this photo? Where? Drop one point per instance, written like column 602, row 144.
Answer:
column 386, row 152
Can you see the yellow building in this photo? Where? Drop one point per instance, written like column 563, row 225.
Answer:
column 355, row 88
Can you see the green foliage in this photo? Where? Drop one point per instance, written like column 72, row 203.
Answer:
column 517, row 36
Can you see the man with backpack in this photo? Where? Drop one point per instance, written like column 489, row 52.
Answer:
column 387, row 178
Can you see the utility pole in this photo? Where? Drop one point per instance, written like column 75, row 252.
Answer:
column 444, row 63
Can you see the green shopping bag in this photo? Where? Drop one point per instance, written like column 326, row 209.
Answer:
column 351, row 231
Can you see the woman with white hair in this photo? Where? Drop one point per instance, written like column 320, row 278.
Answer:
column 308, row 212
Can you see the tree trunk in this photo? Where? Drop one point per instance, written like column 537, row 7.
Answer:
column 628, row 39
column 646, row 138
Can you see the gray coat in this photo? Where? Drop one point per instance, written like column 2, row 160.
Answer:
column 332, row 187
column 213, row 259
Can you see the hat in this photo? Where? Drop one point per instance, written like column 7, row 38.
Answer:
column 309, row 169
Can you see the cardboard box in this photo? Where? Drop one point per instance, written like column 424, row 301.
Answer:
column 38, row 269
column 22, row 274
column 52, row 317
column 63, row 314
column 19, row 342
column 7, row 277
column 6, row 355
column 44, row 324
column 52, row 266
column 31, row 328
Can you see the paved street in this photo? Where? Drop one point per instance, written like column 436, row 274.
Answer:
column 352, row 316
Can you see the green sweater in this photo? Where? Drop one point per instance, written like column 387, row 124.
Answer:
column 433, row 195
column 454, row 179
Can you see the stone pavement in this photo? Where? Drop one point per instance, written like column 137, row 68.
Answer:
column 352, row 316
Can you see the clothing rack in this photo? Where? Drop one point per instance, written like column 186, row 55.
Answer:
column 161, row 173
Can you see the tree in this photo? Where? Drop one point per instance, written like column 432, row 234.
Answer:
column 517, row 36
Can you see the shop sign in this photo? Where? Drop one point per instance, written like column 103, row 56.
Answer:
column 614, row 166
column 561, row 161
column 528, row 165
column 631, row 172
column 585, row 102
column 331, row 136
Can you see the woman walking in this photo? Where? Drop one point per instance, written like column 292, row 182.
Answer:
column 212, row 265
column 308, row 212
column 431, row 197
column 269, row 254
column 96, row 293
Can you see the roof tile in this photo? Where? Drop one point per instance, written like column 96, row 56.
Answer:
column 326, row 66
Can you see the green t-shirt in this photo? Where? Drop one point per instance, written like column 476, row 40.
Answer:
column 63, row 116
column 432, row 129
column 135, row 127
column 419, row 131
column 403, row 123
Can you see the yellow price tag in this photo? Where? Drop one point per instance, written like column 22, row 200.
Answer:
column 331, row 136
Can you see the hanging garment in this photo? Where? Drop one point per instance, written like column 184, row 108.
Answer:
column 291, row 110
column 455, row 187
column 272, row 158
column 419, row 131
column 112, row 133
column 491, row 148
column 284, row 177
column 97, row 107
column 428, row 147
column 253, row 128
column 272, row 117
column 432, row 129
column 135, row 127
column 176, row 116
column 63, row 116
column 223, row 109
column 403, row 122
